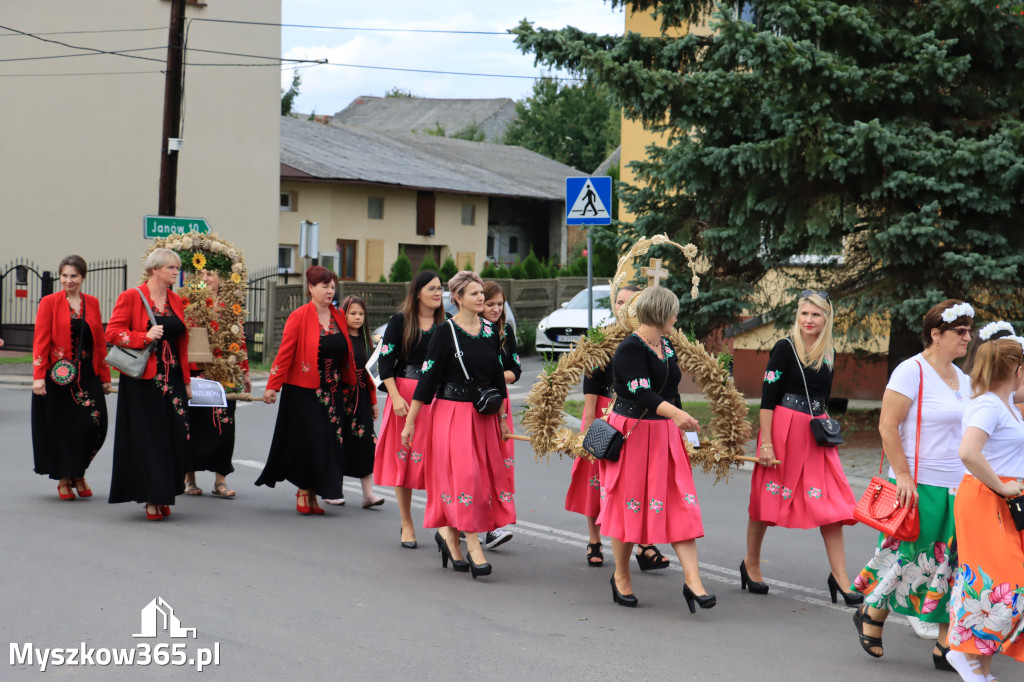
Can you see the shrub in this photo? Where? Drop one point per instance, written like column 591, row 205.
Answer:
column 448, row 269
column 533, row 267
column 526, row 338
column 504, row 272
column 401, row 269
column 489, row 271
column 428, row 264
column 517, row 271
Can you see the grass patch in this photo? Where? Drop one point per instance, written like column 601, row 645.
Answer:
column 17, row 359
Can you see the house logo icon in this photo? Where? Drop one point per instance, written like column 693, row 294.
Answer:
column 158, row 615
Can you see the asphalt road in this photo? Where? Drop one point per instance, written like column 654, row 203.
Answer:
column 283, row 596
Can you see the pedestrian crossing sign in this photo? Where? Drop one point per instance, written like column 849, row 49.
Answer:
column 588, row 200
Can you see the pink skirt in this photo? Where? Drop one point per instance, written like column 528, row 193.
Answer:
column 510, row 446
column 469, row 480
column 648, row 495
column 809, row 488
column 584, row 495
column 393, row 463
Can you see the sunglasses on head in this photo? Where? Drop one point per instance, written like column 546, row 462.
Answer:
column 807, row 293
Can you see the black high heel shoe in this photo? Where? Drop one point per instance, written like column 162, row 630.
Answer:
column 408, row 544
column 939, row 660
column 458, row 565
column 752, row 585
column 650, row 561
column 705, row 601
column 438, row 539
column 622, row 599
column 478, row 569
column 851, row 598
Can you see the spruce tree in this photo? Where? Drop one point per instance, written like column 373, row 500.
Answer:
column 401, row 269
column 883, row 138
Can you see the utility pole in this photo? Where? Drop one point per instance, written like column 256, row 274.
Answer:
column 173, row 84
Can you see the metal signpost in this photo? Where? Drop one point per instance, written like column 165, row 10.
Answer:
column 588, row 201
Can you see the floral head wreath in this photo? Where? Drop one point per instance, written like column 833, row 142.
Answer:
column 993, row 328
column 1018, row 340
column 959, row 310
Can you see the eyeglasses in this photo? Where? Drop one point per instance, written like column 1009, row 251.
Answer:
column 434, row 290
column 961, row 331
column 807, row 293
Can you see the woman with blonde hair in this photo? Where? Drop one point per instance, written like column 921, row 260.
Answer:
column 151, row 435
column 987, row 602
column 914, row 578
column 647, row 494
column 469, row 489
column 808, row 489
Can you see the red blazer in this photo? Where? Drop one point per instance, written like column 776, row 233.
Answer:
column 300, row 344
column 52, row 341
column 129, row 323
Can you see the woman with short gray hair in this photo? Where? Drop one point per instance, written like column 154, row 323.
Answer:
column 648, row 495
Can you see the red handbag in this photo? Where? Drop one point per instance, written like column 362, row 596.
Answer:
column 879, row 506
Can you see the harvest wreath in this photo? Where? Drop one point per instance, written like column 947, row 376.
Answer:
column 544, row 420
column 222, row 316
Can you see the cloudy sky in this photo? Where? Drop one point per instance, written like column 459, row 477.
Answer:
column 329, row 89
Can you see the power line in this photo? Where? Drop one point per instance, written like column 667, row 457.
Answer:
column 103, row 30
column 78, row 47
column 90, row 54
column 76, row 74
column 355, row 28
column 447, row 73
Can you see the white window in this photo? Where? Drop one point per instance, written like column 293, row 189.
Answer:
column 289, row 201
column 468, row 214
column 285, row 258
column 375, row 208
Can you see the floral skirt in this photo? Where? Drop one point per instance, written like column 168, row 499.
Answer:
column 809, row 488
column 469, row 477
column 395, row 464
column 648, row 495
column 987, row 610
column 510, row 445
column 584, row 494
column 914, row 578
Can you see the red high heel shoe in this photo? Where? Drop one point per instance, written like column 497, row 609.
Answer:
column 154, row 515
column 165, row 509
column 82, row 488
column 64, row 490
column 314, row 507
column 302, row 503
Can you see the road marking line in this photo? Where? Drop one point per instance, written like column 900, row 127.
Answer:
column 722, row 574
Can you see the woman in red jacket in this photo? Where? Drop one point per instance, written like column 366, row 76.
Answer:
column 314, row 368
column 152, row 412
column 69, row 419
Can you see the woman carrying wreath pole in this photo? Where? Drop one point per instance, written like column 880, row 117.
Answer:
column 212, row 444
column 808, row 489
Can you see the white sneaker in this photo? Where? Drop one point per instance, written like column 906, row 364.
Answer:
column 496, row 538
column 924, row 630
column 967, row 668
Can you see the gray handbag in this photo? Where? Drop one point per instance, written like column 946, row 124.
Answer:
column 132, row 361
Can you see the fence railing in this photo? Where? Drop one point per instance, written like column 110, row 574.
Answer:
column 530, row 300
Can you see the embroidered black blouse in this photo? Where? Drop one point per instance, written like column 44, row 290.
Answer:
column 509, row 354
column 783, row 376
column 391, row 362
column 641, row 376
column 480, row 355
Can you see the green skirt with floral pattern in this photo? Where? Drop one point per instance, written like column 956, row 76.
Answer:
column 914, row 578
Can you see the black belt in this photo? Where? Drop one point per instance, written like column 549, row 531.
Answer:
column 460, row 393
column 797, row 402
column 634, row 409
column 410, row 372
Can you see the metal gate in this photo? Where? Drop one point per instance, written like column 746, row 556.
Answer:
column 255, row 311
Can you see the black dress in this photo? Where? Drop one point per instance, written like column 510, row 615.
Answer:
column 151, row 435
column 69, row 423
column 357, row 426
column 307, row 447
column 212, row 441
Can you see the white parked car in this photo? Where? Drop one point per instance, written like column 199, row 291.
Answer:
column 559, row 331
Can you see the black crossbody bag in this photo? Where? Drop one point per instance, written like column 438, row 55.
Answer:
column 827, row 432
column 486, row 399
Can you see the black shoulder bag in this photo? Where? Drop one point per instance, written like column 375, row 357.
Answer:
column 826, row 431
column 486, row 399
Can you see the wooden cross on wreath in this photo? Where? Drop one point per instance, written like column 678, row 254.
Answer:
column 654, row 273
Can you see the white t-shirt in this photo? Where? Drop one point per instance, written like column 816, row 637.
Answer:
column 1004, row 448
column 941, row 421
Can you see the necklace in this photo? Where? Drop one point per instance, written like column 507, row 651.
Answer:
column 656, row 347
column 951, row 381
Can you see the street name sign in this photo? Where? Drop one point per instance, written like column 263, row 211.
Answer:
column 157, row 226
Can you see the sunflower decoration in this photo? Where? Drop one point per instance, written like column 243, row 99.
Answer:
column 544, row 421
column 223, row 318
